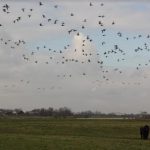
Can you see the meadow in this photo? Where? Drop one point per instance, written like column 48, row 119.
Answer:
column 24, row 133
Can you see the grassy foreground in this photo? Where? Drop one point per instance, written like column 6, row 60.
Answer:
column 66, row 134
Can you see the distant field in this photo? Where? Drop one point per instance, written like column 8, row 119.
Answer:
column 66, row 134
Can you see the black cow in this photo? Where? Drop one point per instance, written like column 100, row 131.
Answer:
column 144, row 132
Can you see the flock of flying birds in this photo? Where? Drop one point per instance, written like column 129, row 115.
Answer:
column 98, row 58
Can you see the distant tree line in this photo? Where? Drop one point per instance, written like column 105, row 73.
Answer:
column 65, row 112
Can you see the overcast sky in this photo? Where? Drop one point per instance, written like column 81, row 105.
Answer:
column 41, row 70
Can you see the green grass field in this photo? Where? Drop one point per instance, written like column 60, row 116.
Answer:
column 71, row 134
